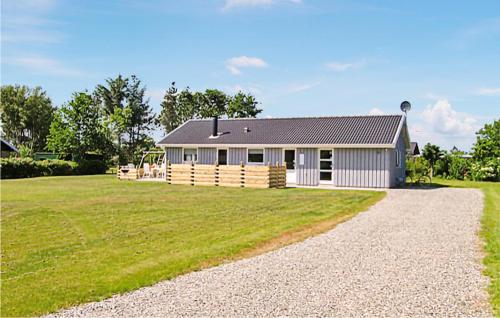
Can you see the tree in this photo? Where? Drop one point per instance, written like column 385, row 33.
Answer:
column 78, row 128
column 431, row 153
column 168, row 115
column 141, row 119
column 188, row 105
column 214, row 104
column 180, row 107
column 26, row 114
column 242, row 106
column 112, row 97
column 487, row 144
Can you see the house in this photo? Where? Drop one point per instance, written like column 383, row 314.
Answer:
column 342, row 151
column 8, row 149
column 414, row 151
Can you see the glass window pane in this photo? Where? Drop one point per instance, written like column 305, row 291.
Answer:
column 325, row 154
column 290, row 159
column 259, row 158
column 190, row 154
column 255, row 151
column 223, row 157
column 325, row 165
column 256, row 155
column 325, row 176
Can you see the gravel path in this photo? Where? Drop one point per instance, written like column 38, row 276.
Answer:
column 416, row 253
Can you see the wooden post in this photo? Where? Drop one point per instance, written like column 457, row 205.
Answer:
column 216, row 174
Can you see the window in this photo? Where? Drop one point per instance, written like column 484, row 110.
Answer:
column 190, row 154
column 325, row 165
column 222, row 156
column 255, row 155
column 398, row 159
column 290, row 159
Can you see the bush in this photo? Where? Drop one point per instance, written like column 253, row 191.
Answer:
column 92, row 167
column 13, row 168
column 459, row 168
column 488, row 170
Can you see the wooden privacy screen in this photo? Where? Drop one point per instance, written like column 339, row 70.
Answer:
column 124, row 173
column 228, row 176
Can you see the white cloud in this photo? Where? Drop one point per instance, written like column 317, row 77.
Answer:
column 301, row 87
column 156, row 94
column 234, row 64
column 252, row 89
column 232, row 4
column 488, row 91
column 376, row 111
column 339, row 66
column 29, row 4
column 24, row 21
column 433, row 96
column 39, row 64
column 441, row 118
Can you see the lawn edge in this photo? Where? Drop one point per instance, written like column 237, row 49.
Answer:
column 299, row 234
column 484, row 234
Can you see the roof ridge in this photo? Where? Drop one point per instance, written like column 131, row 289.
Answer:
column 303, row 117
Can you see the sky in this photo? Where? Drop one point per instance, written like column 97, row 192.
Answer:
column 298, row 57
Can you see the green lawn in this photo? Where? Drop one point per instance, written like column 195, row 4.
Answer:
column 68, row 240
column 490, row 232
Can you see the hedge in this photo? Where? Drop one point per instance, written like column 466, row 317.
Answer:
column 13, row 168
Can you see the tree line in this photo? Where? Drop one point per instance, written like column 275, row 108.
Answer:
column 483, row 163
column 114, row 121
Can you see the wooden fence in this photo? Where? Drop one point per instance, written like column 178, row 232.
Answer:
column 125, row 173
column 227, row 176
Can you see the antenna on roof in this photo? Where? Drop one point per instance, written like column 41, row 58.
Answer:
column 405, row 107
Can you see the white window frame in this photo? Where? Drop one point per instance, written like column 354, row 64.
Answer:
column 227, row 155
column 398, row 158
column 263, row 156
column 183, row 152
column 324, row 170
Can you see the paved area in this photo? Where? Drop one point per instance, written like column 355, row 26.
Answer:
column 416, row 253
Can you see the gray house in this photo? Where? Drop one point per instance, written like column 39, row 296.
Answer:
column 343, row 151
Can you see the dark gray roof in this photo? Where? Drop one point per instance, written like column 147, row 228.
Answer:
column 414, row 150
column 7, row 146
column 308, row 130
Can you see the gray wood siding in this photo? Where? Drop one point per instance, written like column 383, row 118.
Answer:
column 361, row 168
column 395, row 172
column 236, row 156
column 308, row 173
column 174, row 154
column 207, row 156
column 273, row 155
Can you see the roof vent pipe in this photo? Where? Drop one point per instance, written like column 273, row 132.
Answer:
column 215, row 127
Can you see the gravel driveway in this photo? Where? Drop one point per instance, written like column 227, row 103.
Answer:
column 414, row 253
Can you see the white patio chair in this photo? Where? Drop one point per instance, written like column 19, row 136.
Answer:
column 147, row 171
column 163, row 170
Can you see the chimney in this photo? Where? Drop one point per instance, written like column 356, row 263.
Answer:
column 215, row 127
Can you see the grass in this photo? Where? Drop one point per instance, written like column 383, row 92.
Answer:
column 490, row 232
column 69, row 240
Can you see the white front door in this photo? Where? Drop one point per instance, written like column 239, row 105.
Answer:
column 291, row 175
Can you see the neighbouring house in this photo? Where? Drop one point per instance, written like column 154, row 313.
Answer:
column 342, row 151
column 414, row 151
column 8, row 149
